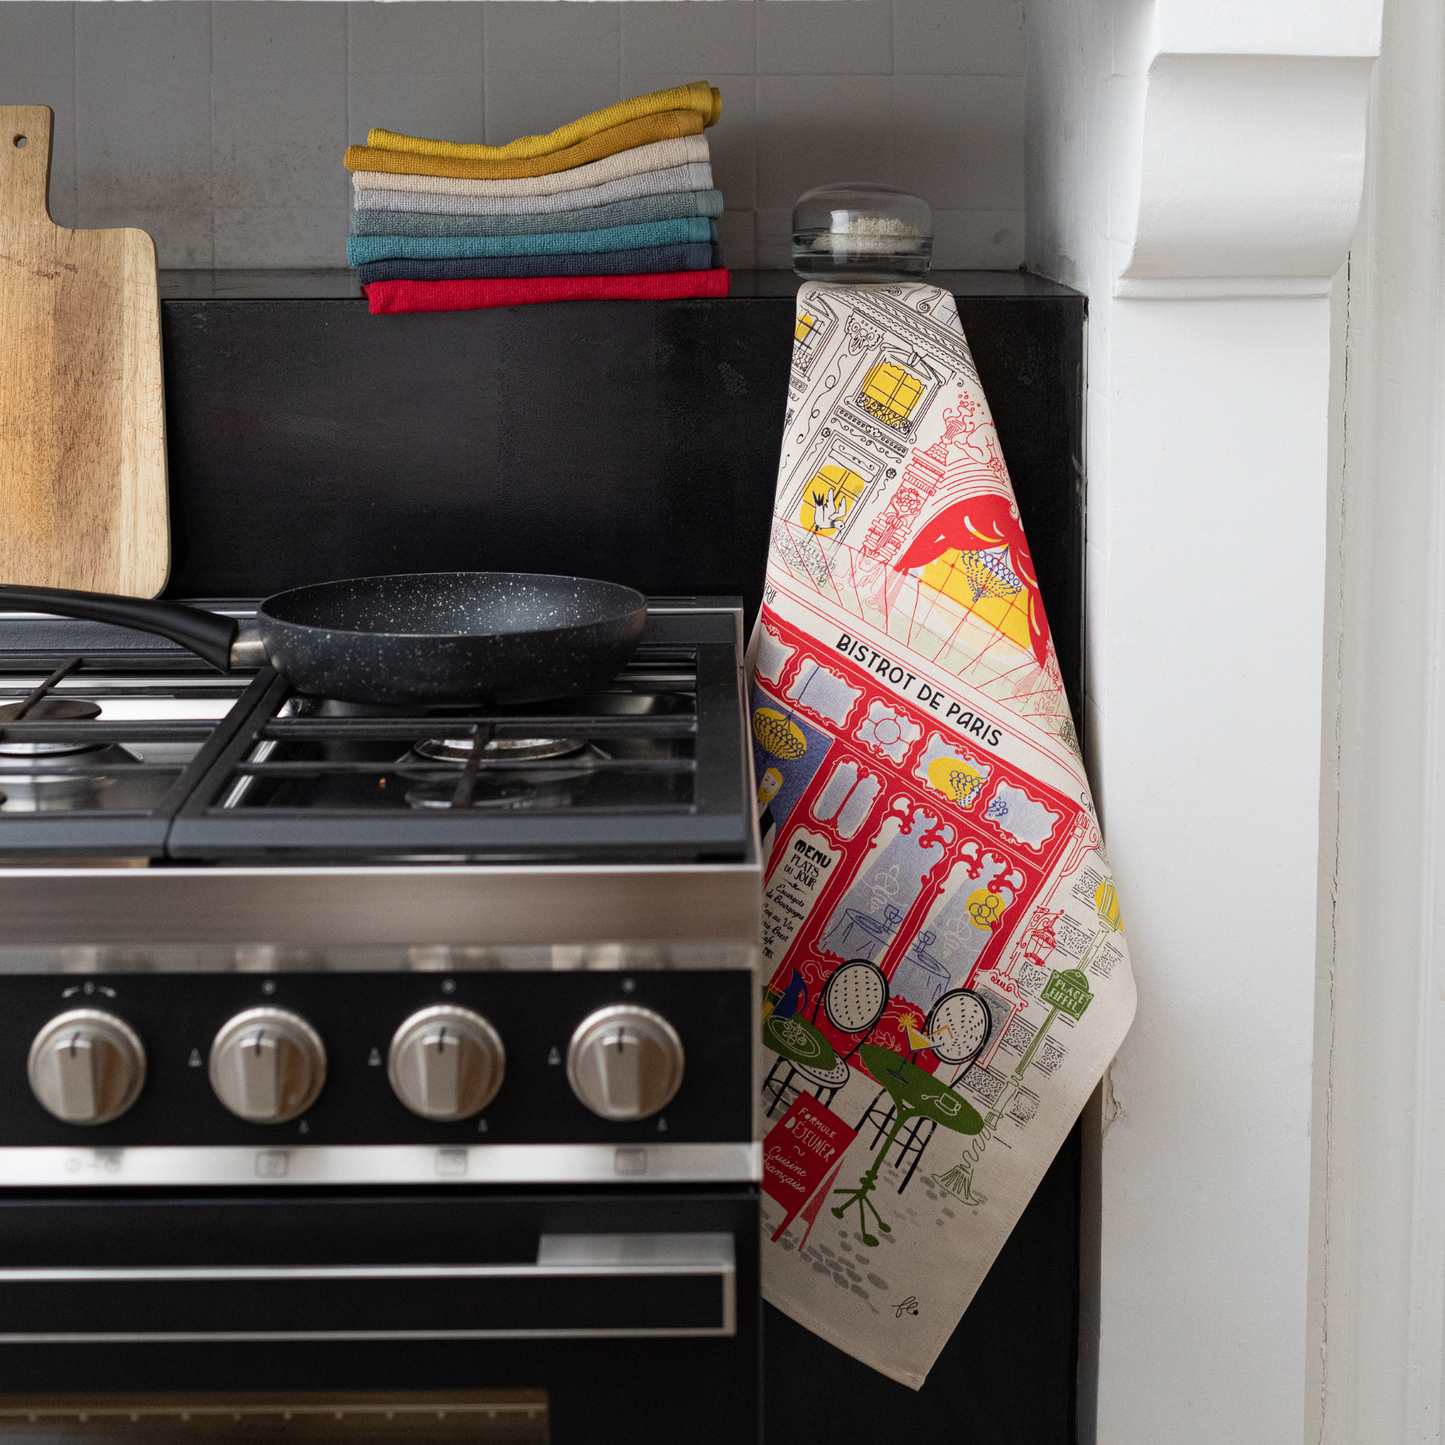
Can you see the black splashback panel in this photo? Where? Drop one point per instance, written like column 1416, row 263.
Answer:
column 636, row 442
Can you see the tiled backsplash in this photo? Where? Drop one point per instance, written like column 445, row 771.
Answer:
column 219, row 127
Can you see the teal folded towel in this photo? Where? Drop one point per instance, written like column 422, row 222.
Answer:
column 363, row 249
column 671, row 206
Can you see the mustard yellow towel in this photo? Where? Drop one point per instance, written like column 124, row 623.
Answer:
column 705, row 99
column 669, row 125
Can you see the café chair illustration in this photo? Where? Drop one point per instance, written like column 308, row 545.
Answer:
column 957, row 1028
column 853, row 1000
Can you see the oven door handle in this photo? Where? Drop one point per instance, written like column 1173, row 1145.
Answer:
column 582, row 1285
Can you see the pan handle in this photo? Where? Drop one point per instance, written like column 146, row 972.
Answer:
column 206, row 634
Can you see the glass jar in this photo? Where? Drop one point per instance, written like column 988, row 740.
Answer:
column 859, row 231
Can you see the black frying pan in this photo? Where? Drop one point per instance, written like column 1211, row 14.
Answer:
column 486, row 637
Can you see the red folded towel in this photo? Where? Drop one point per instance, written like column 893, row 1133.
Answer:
column 389, row 297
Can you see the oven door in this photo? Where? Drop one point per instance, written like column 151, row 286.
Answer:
column 554, row 1315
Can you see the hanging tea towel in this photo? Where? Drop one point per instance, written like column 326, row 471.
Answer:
column 947, row 976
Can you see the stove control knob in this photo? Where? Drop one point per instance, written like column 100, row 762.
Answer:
column 267, row 1065
column 446, row 1063
column 87, row 1067
column 625, row 1062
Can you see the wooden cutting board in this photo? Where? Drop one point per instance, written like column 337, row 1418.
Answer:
column 82, row 418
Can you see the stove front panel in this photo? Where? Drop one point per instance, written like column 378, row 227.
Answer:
column 535, row 1129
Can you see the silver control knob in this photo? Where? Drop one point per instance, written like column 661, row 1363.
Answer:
column 625, row 1062
column 446, row 1063
column 267, row 1065
column 87, row 1067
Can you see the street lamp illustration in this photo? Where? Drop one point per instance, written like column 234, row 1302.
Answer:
column 1067, row 991
column 1106, row 905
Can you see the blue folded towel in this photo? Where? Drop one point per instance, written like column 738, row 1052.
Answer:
column 670, row 206
column 691, row 256
column 362, row 249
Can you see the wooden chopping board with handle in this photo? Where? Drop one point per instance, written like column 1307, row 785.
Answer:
column 82, row 414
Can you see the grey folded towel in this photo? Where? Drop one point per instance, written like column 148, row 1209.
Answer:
column 673, row 206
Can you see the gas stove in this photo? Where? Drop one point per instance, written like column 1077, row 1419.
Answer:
column 324, row 1025
column 195, row 870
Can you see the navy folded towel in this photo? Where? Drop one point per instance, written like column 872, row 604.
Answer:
column 689, row 256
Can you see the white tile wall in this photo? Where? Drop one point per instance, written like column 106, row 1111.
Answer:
column 219, row 127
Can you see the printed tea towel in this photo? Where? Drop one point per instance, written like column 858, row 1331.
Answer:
column 947, row 975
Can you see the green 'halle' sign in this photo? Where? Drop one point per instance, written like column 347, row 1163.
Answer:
column 1068, row 991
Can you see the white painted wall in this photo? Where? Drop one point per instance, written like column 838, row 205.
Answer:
column 1207, row 705
column 220, row 127
column 1195, row 169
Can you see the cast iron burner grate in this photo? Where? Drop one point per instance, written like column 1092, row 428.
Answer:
column 84, row 775
column 651, row 768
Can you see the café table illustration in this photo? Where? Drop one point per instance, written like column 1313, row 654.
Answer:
column 915, row 1093
column 860, row 935
column 957, row 1028
column 803, row 1050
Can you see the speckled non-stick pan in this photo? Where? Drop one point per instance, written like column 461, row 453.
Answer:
column 484, row 637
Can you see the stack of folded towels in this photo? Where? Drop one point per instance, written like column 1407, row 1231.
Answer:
column 617, row 205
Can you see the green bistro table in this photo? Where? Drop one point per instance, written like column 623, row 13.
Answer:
column 915, row 1093
column 805, row 1050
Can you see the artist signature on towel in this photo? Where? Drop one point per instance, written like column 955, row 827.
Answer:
column 910, row 1304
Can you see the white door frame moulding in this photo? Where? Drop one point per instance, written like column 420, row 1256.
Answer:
column 1196, row 169
column 1250, row 175
column 1378, row 1278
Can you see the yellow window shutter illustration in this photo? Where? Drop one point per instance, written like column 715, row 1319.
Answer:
column 828, row 498
column 890, row 393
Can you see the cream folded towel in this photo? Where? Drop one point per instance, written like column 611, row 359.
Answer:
column 695, row 177
column 682, row 150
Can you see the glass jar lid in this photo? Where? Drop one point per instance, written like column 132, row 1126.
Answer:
column 863, row 232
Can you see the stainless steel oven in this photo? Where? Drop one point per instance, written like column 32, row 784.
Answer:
column 372, row 1074
column 479, row 1314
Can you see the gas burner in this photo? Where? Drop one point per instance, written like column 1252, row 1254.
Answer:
column 28, row 790
column 74, row 790
column 508, row 788
column 47, row 709
column 485, row 794
column 459, row 750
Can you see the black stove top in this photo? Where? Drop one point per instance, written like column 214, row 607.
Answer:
column 117, row 745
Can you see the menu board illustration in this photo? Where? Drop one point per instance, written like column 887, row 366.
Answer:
column 946, row 977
